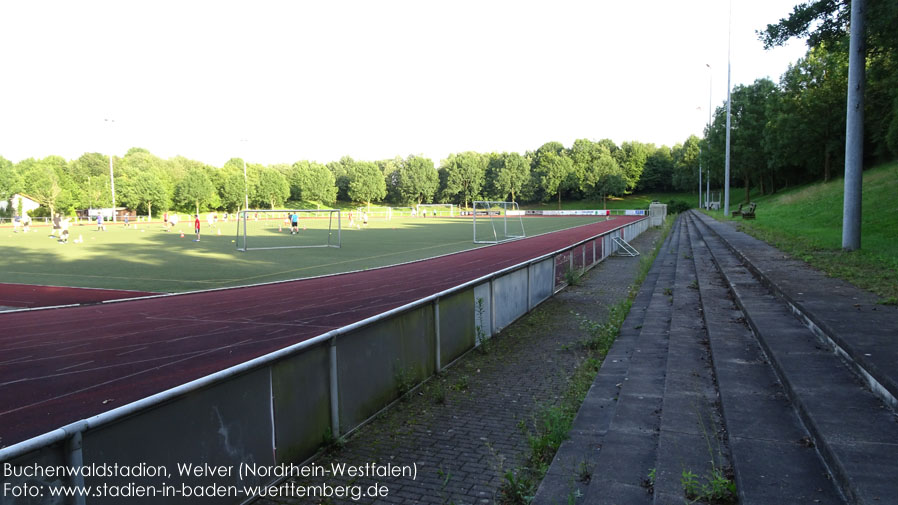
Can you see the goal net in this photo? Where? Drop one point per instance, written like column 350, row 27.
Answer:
column 273, row 229
column 436, row 209
column 496, row 222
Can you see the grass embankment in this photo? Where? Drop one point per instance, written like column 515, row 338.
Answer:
column 552, row 423
column 635, row 201
column 806, row 222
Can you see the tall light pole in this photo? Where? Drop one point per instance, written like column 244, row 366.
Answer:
column 710, row 113
column 854, row 131
column 111, row 177
column 245, row 180
column 726, row 172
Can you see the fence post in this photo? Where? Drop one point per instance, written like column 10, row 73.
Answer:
column 74, row 459
column 436, row 332
column 335, row 405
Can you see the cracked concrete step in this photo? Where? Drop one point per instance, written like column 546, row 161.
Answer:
column 773, row 457
column 854, row 432
column 575, row 466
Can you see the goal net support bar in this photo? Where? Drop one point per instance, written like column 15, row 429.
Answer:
column 274, row 229
column 499, row 222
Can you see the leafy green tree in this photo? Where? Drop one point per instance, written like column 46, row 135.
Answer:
column 551, row 171
column 390, row 169
column 658, row 172
column 312, row 182
column 632, row 158
column 342, row 171
column 512, row 173
column 366, row 183
column 806, row 127
column 418, row 180
column 47, row 182
column 597, row 172
column 10, row 180
column 465, row 175
column 141, row 189
column 749, row 119
column 685, row 157
column 272, row 188
column 229, row 183
column 196, row 191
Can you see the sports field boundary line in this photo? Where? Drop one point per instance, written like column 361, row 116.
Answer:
column 75, row 428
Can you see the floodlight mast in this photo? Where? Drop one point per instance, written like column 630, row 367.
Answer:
column 710, row 112
column 854, row 131
column 726, row 175
column 111, row 177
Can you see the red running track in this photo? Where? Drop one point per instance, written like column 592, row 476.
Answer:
column 62, row 365
column 29, row 296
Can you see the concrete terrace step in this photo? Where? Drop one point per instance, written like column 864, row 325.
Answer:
column 689, row 440
column 854, row 432
column 865, row 332
column 772, row 456
column 592, row 434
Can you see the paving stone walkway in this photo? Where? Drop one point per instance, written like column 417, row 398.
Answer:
column 463, row 430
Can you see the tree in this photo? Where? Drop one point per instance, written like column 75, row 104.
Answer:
column 45, row 182
column 10, row 180
column 512, row 174
column 196, row 190
column 418, row 180
column 632, row 158
column 686, row 164
column 465, row 174
column 597, row 172
column 552, row 171
column 366, row 183
column 272, row 188
column 143, row 189
column 312, row 182
column 658, row 172
column 750, row 106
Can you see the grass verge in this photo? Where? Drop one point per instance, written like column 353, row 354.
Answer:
column 806, row 223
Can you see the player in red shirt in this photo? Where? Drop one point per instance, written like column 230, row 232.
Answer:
column 196, row 227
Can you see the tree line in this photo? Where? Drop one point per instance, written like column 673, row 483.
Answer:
column 793, row 131
column 147, row 183
column 782, row 134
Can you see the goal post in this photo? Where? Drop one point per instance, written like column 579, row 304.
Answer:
column 273, row 229
column 436, row 209
column 496, row 222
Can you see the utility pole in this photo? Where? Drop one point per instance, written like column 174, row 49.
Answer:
column 111, row 177
column 854, row 131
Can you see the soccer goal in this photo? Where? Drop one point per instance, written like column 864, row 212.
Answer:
column 496, row 222
column 273, row 229
column 436, row 209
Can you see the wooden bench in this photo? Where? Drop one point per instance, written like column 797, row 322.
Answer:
column 738, row 212
column 749, row 213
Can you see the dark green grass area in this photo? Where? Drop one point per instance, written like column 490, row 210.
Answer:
column 806, row 222
column 634, row 201
column 148, row 259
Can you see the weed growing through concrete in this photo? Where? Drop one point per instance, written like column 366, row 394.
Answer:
column 405, row 381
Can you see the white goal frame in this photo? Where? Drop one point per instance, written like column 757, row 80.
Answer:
column 425, row 206
column 505, row 210
column 242, row 219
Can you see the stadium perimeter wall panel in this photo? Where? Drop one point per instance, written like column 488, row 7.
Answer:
column 225, row 424
column 50, row 456
column 285, row 404
column 457, row 331
column 375, row 362
column 541, row 282
column 301, row 396
column 510, row 298
column 483, row 312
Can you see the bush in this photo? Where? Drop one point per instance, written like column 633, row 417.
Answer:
column 677, row 206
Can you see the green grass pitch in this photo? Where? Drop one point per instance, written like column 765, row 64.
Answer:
column 146, row 258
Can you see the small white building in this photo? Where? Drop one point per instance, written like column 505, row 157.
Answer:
column 28, row 204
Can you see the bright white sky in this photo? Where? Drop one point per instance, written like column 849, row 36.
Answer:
column 370, row 78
